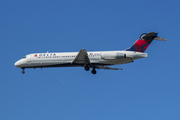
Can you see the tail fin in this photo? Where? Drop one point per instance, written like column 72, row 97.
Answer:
column 144, row 41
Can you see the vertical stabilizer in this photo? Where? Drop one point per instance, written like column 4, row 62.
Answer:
column 144, row 41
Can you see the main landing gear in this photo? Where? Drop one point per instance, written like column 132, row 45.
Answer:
column 23, row 71
column 87, row 69
column 93, row 71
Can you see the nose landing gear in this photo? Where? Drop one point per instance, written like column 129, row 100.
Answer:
column 23, row 70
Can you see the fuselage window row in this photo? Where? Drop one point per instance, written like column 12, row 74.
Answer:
column 63, row 56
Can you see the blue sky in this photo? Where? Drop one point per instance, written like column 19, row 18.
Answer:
column 147, row 89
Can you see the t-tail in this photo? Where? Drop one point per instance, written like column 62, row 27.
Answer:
column 144, row 41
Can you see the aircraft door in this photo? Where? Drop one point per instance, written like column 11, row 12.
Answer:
column 29, row 60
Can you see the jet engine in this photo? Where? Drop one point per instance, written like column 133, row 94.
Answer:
column 112, row 55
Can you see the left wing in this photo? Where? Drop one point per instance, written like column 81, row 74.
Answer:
column 82, row 58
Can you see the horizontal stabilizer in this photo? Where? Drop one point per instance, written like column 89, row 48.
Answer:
column 150, row 35
column 161, row 39
column 153, row 35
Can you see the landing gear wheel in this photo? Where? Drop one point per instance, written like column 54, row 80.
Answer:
column 22, row 71
column 86, row 68
column 93, row 71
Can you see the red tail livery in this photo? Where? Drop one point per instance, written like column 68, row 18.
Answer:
column 144, row 41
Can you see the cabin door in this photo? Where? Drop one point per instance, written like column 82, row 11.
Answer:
column 29, row 60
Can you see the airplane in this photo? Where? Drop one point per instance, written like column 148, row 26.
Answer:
column 94, row 60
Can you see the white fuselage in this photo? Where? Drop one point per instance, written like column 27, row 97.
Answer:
column 65, row 59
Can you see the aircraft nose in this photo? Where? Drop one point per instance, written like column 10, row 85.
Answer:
column 17, row 64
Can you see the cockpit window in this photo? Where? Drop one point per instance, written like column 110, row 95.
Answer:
column 24, row 57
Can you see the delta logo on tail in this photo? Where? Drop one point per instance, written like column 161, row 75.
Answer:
column 144, row 41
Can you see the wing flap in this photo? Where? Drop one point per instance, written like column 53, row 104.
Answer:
column 108, row 68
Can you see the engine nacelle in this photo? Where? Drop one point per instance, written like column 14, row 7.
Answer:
column 120, row 55
column 112, row 55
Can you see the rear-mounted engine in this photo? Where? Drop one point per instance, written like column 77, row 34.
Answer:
column 110, row 55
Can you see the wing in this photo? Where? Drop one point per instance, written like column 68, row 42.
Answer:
column 82, row 58
column 109, row 68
